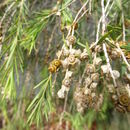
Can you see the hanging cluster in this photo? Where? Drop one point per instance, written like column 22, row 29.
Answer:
column 86, row 94
column 120, row 97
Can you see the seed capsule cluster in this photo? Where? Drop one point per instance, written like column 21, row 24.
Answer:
column 120, row 97
column 54, row 65
column 86, row 99
column 69, row 58
column 96, row 74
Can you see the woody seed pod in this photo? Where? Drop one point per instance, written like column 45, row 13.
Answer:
column 71, row 40
column 72, row 60
column 116, row 74
column 75, row 25
column 88, row 81
column 84, row 55
column 98, row 48
column 66, row 82
column 98, row 61
column 52, row 68
column 114, row 99
column 87, row 91
column 95, row 77
column 124, row 100
column 93, row 85
column 66, row 52
column 90, row 68
column 105, row 69
column 56, row 62
column 115, row 53
column 65, row 63
column 120, row 108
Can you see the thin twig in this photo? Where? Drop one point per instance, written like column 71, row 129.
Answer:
column 100, row 20
column 98, row 27
column 90, row 6
column 123, row 25
column 104, row 45
column 62, row 114
column 108, row 64
column 76, row 17
column 7, row 10
column 123, row 56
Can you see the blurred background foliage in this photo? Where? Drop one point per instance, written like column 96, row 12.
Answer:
column 32, row 34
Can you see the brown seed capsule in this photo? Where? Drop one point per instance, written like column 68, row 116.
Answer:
column 98, row 61
column 111, row 88
column 95, row 77
column 84, row 55
column 93, row 85
column 114, row 99
column 89, row 100
column 56, row 62
column 124, row 100
column 71, row 40
column 88, row 81
column 71, row 59
column 90, row 68
column 115, row 53
column 66, row 82
column 98, row 48
column 52, row 68
column 120, row 108
column 75, row 25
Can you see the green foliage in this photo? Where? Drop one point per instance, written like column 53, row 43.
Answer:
column 42, row 103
